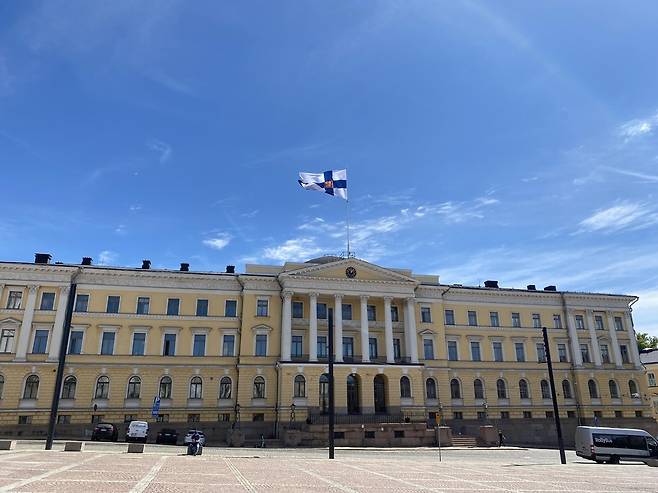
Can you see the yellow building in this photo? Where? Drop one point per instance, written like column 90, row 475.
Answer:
column 212, row 345
column 649, row 358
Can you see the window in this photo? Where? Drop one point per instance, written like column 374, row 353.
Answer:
column 68, row 389
column 102, row 387
column 75, row 341
column 261, row 417
column 598, row 322
column 165, row 388
column 47, row 301
column 372, row 313
column 225, row 385
column 580, row 322
column 614, row 390
column 96, row 418
column 428, row 348
column 623, row 349
column 498, row 351
column 475, row 351
column 593, row 389
column 520, row 351
column 455, row 389
column 619, row 324
column 107, row 343
column 201, row 308
column 196, row 388
column 134, row 388
column 598, row 414
column 536, row 320
column 619, row 414
column 169, row 345
column 346, row 310
column 571, row 414
column 25, row 420
column 81, row 303
column 143, row 304
column 501, row 389
column 527, row 414
column 652, row 379
column 632, row 389
column 297, row 309
column 524, row 393
column 259, row 388
column 395, row 315
column 2, row 385
column 541, row 352
column 14, row 300
column 321, row 311
column 545, row 390
column 425, row 314
column 139, row 344
column 173, row 306
column 562, row 352
column 472, row 318
column 449, row 317
column 261, row 345
column 478, row 389
column 193, row 418
column 557, row 321
column 322, row 346
column 566, row 389
column 397, row 351
column 296, row 346
column 7, row 340
column 127, row 418
column 452, row 351
column 262, row 308
column 493, row 318
column 199, row 348
column 113, row 303
column 516, row 320
column 550, row 415
column 40, row 344
column 348, row 347
column 231, row 308
column 584, row 352
column 430, row 388
column 372, row 347
column 638, row 414
column 300, row 386
column 228, row 345
column 605, row 354
column 457, row 415
column 64, row 419
column 504, row 414
column 405, row 388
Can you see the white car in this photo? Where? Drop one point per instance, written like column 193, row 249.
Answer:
column 188, row 437
column 137, row 431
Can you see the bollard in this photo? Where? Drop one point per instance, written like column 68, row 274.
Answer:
column 74, row 446
column 135, row 448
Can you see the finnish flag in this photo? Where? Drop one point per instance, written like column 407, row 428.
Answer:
column 331, row 182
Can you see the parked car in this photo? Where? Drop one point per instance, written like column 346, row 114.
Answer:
column 105, row 431
column 167, row 436
column 137, row 431
column 188, row 437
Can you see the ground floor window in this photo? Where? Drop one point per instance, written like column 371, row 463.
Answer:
column 64, row 419
column 24, row 420
column 193, row 418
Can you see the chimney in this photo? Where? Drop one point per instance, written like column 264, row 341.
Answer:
column 184, row 267
column 146, row 264
column 490, row 284
column 532, row 287
column 230, row 269
column 42, row 258
column 550, row 288
column 86, row 261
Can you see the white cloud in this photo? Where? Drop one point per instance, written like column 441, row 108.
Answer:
column 107, row 257
column 135, row 208
column 162, row 148
column 120, row 229
column 218, row 242
column 636, row 174
column 250, row 214
column 638, row 127
column 626, row 215
column 294, row 249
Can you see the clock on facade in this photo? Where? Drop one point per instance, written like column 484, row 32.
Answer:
column 350, row 272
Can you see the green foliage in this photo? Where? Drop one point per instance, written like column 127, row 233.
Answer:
column 645, row 341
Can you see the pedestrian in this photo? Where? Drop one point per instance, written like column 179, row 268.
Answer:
column 501, row 438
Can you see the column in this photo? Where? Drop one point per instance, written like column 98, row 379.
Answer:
column 634, row 352
column 365, row 336
column 286, row 326
column 2, row 291
column 576, row 356
column 313, row 327
column 410, row 336
column 338, row 328
column 388, row 331
column 613, row 340
column 26, row 326
column 58, row 327
column 596, row 350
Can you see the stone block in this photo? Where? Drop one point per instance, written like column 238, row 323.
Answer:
column 292, row 438
column 7, row 444
column 135, row 448
column 489, row 435
column 74, row 446
column 235, row 438
column 444, row 435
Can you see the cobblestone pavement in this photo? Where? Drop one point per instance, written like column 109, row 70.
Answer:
column 106, row 467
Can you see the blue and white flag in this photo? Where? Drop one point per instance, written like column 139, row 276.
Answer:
column 331, row 182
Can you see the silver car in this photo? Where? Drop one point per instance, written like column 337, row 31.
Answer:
column 188, row 437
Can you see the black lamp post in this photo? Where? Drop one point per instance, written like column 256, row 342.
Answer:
column 556, row 411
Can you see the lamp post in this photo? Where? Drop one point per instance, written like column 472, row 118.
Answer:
column 556, row 411
column 330, row 336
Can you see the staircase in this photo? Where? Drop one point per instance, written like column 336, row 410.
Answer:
column 464, row 441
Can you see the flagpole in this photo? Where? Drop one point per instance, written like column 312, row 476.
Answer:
column 348, row 228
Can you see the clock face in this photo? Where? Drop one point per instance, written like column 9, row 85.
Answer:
column 350, row 272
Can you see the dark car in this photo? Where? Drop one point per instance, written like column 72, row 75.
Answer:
column 105, row 431
column 167, row 436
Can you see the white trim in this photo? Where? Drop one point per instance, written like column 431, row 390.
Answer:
column 107, row 303
column 148, row 312
column 55, row 298
column 165, row 331
column 204, row 333
column 107, row 329
column 47, row 328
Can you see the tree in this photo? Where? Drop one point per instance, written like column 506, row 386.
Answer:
column 645, row 341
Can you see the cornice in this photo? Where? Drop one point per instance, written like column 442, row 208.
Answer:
column 148, row 279
column 354, row 262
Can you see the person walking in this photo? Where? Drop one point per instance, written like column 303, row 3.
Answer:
column 501, row 438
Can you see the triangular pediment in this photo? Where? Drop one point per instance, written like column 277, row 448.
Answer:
column 10, row 321
column 349, row 269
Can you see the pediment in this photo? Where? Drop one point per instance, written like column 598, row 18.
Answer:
column 365, row 271
column 10, row 321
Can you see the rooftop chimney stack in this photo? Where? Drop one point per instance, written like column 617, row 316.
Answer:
column 230, row 269
column 42, row 258
column 86, row 261
column 490, row 284
column 550, row 288
column 532, row 287
column 184, row 267
column 146, row 264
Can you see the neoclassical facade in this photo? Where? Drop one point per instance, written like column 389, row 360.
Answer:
column 212, row 346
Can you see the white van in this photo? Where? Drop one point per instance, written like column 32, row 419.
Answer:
column 137, row 431
column 614, row 444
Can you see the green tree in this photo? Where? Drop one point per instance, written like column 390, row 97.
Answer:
column 645, row 341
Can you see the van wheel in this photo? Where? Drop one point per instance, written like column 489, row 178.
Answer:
column 613, row 460
column 599, row 461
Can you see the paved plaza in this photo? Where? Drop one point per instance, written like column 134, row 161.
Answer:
column 106, row 467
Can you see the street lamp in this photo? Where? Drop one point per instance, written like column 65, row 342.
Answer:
column 556, row 411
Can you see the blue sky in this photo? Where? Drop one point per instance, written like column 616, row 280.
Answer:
column 515, row 141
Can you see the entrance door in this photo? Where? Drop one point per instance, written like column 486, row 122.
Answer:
column 324, row 393
column 380, row 394
column 352, row 394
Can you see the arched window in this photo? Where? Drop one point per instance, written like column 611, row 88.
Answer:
column 225, row 385
column 524, row 393
column 455, row 389
column 430, row 388
column 478, row 389
column 593, row 390
column 165, row 388
column 31, row 387
column 324, row 393
column 259, row 388
column 566, row 389
column 545, row 390
column 300, row 386
column 134, row 387
column 68, row 389
column 405, row 387
column 632, row 388
column 196, row 388
column 501, row 389
column 2, row 385
column 102, row 387
column 614, row 390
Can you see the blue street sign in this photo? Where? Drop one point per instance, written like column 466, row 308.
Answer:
column 155, row 410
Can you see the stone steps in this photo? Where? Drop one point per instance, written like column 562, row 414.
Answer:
column 464, row 441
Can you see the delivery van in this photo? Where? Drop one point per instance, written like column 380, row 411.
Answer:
column 614, row 444
column 137, row 431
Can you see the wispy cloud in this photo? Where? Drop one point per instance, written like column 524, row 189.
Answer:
column 107, row 257
column 135, row 208
column 161, row 148
column 294, row 249
column 250, row 214
column 218, row 242
column 638, row 127
column 646, row 178
column 625, row 215
column 121, row 229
